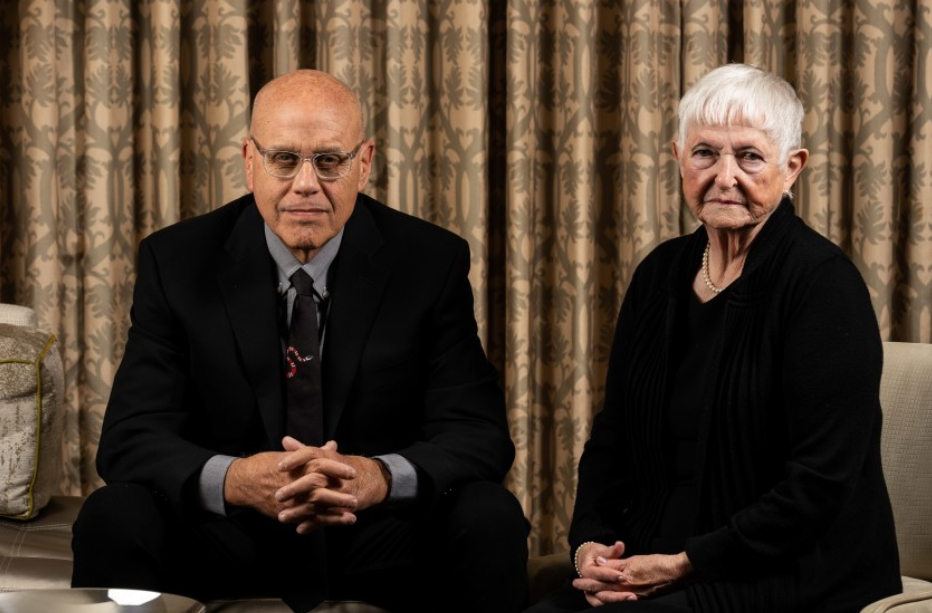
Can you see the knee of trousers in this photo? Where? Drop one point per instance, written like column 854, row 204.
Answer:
column 484, row 514
column 119, row 518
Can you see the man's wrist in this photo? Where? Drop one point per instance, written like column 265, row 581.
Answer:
column 231, row 490
column 403, row 485
column 684, row 567
column 386, row 477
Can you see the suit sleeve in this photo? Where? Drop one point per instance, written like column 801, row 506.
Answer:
column 465, row 432
column 142, row 439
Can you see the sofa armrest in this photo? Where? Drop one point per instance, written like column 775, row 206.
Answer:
column 916, row 598
column 920, row 602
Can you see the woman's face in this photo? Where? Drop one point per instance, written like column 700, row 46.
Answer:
column 732, row 175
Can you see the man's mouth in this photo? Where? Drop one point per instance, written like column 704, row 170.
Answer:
column 301, row 211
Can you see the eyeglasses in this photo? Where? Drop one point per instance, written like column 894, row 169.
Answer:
column 329, row 165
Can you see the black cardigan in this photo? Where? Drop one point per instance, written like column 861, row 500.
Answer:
column 793, row 512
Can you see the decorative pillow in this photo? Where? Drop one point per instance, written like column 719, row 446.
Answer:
column 32, row 387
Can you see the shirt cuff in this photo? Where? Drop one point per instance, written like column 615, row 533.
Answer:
column 210, row 483
column 404, row 478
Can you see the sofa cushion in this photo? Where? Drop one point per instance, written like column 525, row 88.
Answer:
column 36, row 554
column 31, row 392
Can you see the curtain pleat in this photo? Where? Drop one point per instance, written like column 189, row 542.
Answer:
column 538, row 130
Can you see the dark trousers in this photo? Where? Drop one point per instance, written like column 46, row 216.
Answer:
column 468, row 552
column 570, row 600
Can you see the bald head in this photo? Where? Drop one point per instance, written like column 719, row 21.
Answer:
column 312, row 86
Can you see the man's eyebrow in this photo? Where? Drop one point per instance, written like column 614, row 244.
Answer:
column 329, row 148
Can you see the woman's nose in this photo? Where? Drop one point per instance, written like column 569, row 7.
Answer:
column 726, row 172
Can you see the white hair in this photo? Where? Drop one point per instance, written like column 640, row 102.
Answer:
column 741, row 94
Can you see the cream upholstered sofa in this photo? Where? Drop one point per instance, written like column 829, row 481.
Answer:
column 36, row 553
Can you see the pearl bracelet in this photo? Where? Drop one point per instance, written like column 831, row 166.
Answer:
column 576, row 556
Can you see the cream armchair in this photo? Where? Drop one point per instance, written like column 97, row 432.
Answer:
column 906, row 398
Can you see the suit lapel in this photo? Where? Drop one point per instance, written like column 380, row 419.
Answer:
column 247, row 284
column 359, row 278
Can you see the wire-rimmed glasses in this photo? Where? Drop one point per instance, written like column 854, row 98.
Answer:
column 329, row 165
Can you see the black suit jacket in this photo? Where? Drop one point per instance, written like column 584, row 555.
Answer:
column 203, row 371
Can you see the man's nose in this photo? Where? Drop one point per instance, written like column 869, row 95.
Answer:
column 306, row 181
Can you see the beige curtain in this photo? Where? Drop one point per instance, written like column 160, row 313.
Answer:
column 538, row 130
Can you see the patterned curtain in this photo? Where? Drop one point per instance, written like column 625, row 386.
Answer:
column 537, row 129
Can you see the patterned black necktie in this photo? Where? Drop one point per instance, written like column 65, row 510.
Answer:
column 304, row 421
column 304, row 416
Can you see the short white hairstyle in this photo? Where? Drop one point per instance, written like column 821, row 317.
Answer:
column 744, row 95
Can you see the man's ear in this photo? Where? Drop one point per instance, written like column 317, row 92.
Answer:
column 249, row 155
column 366, row 153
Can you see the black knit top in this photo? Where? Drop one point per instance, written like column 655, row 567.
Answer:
column 699, row 324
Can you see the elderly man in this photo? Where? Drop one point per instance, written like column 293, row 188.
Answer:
column 304, row 409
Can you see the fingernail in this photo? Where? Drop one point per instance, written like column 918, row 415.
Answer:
column 600, row 560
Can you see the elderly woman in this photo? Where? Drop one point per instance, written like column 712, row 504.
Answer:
column 736, row 465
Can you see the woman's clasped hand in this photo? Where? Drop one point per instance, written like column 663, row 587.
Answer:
column 608, row 577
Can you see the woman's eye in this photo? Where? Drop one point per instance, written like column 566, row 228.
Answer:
column 703, row 158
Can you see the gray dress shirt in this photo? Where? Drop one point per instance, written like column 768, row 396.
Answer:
column 404, row 476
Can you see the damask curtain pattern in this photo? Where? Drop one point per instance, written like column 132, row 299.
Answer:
column 539, row 130
column 421, row 70
column 116, row 118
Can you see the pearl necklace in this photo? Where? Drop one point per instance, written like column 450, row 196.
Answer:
column 705, row 271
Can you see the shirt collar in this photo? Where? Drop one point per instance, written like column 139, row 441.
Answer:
column 287, row 264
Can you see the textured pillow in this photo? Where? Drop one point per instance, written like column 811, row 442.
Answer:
column 32, row 388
